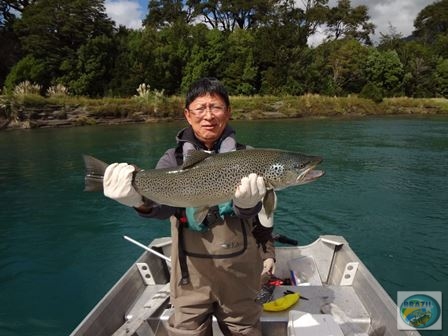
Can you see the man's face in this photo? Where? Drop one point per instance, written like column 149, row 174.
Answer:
column 208, row 115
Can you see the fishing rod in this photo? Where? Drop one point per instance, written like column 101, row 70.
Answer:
column 150, row 250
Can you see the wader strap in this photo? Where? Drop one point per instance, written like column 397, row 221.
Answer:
column 185, row 276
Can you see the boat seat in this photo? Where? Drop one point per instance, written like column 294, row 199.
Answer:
column 306, row 324
column 341, row 302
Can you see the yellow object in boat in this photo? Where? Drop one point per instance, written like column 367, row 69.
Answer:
column 282, row 303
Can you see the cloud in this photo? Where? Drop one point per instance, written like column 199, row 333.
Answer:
column 383, row 13
column 125, row 12
column 398, row 13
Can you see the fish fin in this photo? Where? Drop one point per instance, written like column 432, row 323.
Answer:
column 266, row 214
column 200, row 214
column 193, row 157
column 94, row 173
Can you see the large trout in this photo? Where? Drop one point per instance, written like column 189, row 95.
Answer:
column 205, row 180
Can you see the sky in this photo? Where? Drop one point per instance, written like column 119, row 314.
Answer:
column 383, row 13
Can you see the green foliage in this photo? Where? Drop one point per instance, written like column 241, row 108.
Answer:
column 346, row 58
column 419, row 63
column 27, row 69
column 385, row 71
column 163, row 13
column 258, row 47
column 90, row 75
column 432, row 21
column 345, row 21
column 52, row 31
column 392, row 40
column 441, row 78
column 227, row 15
column 10, row 52
column 126, row 72
column 373, row 92
column 241, row 73
column 207, row 57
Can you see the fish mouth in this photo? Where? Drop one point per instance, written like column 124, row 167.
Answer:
column 310, row 174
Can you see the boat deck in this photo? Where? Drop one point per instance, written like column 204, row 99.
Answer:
column 342, row 295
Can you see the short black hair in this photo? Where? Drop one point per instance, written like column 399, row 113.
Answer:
column 206, row 85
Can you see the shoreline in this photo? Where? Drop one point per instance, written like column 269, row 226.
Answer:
column 32, row 112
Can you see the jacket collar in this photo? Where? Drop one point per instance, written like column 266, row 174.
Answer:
column 187, row 135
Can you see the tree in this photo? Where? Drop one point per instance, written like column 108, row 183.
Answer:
column 229, row 14
column 337, row 67
column 347, row 22
column 240, row 72
column 10, row 53
column 53, row 30
column 346, row 60
column 440, row 46
column 10, row 50
column 162, row 13
column 10, row 9
column 27, row 69
column 93, row 67
column 208, row 56
column 419, row 62
column 384, row 70
column 124, row 78
column 432, row 21
column 282, row 39
column 441, row 78
column 392, row 40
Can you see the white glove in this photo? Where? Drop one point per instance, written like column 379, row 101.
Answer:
column 117, row 185
column 268, row 266
column 249, row 192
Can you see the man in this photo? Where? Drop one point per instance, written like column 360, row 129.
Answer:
column 216, row 264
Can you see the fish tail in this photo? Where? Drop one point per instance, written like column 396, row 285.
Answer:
column 94, row 173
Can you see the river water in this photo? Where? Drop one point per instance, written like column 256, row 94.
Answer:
column 385, row 190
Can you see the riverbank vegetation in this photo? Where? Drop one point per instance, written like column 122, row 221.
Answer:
column 34, row 111
column 256, row 48
column 65, row 62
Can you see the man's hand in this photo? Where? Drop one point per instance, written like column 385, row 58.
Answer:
column 251, row 190
column 268, row 266
column 117, row 185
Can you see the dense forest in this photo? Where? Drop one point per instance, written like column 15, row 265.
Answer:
column 257, row 47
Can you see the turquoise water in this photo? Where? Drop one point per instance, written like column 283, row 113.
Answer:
column 61, row 249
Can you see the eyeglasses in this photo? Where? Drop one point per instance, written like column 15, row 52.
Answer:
column 214, row 109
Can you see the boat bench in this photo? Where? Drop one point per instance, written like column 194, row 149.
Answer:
column 348, row 311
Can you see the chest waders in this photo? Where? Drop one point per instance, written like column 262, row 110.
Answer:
column 213, row 218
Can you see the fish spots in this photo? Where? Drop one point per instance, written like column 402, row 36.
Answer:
column 277, row 169
column 215, row 179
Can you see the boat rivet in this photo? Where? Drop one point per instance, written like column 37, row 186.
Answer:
column 147, row 276
column 349, row 267
column 347, row 276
